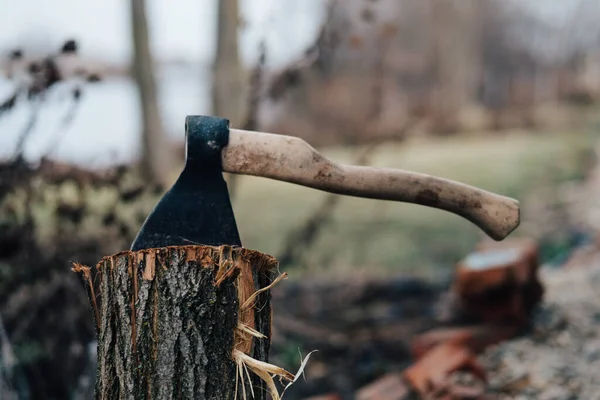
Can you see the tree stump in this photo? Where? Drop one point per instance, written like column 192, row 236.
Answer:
column 183, row 322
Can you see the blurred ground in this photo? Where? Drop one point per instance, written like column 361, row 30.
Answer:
column 560, row 357
column 557, row 357
column 363, row 326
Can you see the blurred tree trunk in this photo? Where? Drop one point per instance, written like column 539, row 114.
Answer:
column 227, row 71
column 456, row 55
column 155, row 157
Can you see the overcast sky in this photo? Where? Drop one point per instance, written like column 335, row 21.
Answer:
column 179, row 29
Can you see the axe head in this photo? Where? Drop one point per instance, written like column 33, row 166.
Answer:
column 197, row 209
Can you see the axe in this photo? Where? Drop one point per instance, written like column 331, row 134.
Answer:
column 197, row 209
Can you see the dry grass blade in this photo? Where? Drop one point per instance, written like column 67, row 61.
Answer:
column 299, row 372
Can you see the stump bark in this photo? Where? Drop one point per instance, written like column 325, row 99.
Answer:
column 169, row 321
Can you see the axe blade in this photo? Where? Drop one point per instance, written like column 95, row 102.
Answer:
column 197, row 209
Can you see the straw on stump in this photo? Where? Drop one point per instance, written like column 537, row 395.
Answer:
column 183, row 322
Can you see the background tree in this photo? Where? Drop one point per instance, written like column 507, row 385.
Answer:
column 155, row 161
column 227, row 98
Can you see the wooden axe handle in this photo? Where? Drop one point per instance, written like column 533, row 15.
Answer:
column 291, row 159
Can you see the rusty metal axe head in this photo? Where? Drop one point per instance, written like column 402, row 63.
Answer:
column 197, row 209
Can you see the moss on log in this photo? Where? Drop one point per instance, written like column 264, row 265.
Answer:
column 169, row 319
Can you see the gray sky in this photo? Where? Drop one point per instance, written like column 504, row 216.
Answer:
column 179, row 28
column 182, row 28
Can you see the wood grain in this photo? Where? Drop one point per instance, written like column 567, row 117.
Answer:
column 291, row 159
